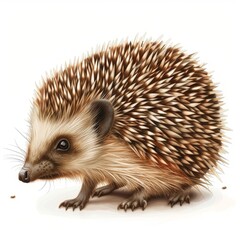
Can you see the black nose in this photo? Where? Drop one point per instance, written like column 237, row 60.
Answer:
column 24, row 175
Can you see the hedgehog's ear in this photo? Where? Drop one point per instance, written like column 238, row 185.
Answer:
column 103, row 117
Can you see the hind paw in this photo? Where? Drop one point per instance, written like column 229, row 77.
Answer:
column 179, row 197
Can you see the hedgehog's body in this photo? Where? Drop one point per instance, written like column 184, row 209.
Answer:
column 140, row 115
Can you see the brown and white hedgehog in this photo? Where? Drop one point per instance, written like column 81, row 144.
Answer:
column 140, row 115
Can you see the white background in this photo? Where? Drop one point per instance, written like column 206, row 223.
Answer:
column 37, row 37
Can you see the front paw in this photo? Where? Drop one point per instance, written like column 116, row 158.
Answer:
column 77, row 202
column 133, row 204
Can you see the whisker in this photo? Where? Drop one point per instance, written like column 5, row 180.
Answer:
column 21, row 149
column 14, row 160
column 14, row 156
column 18, row 166
column 49, row 186
column 43, row 186
column 9, row 149
column 25, row 137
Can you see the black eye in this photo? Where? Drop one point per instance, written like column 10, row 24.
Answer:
column 63, row 145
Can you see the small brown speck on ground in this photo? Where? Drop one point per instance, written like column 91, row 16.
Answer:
column 224, row 187
column 13, row 196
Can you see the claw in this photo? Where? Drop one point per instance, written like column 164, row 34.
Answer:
column 134, row 205
column 74, row 207
column 81, row 207
column 144, row 204
column 120, row 206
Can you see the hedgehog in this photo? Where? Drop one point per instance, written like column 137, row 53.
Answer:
column 140, row 115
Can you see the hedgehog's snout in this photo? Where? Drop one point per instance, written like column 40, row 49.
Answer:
column 24, row 175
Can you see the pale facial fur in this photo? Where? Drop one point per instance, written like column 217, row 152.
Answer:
column 45, row 133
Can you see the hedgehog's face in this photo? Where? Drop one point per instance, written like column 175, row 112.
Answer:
column 65, row 148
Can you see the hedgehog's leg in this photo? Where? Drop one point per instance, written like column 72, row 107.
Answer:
column 180, row 197
column 137, row 200
column 82, row 198
column 104, row 190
